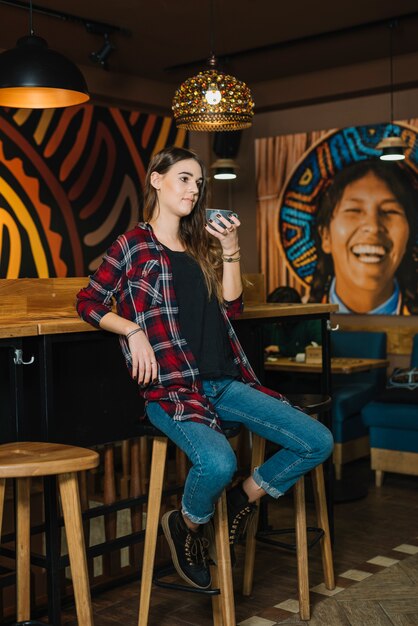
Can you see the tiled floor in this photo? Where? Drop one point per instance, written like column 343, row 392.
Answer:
column 374, row 537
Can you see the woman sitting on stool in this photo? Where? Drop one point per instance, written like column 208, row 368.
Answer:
column 177, row 281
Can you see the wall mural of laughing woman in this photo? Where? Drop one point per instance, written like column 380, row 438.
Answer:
column 348, row 223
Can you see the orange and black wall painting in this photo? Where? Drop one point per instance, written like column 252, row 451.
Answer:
column 71, row 181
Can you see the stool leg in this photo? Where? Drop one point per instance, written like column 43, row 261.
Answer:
column 23, row 549
column 159, row 453
column 84, row 503
column 144, row 463
column 302, row 549
column 317, row 475
column 70, row 502
column 181, row 472
column 134, row 491
column 257, row 458
column 216, row 600
column 111, row 560
column 124, row 481
column 2, row 493
column 224, row 562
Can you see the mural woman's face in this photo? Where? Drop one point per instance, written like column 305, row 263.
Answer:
column 367, row 237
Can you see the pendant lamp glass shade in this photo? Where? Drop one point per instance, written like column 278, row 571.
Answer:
column 224, row 169
column 213, row 101
column 34, row 77
column 392, row 148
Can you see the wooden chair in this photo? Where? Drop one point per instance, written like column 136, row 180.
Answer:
column 22, row 461
column 222, row 602
column 312, row 404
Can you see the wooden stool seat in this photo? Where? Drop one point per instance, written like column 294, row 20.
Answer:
column 22, row 461
column 311, row 403
column 27, row 458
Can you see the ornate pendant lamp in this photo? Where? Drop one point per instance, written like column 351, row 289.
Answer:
column 34, row 77
column 392, row 146
column 212, row 100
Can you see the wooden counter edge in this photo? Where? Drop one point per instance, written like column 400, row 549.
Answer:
column 18, row 329
column 257, row 311
column 57, row 326
column 284, row 364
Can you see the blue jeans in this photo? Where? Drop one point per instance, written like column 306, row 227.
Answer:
column 305, row 444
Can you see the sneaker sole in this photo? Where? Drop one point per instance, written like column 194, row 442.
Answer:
column 167, row 534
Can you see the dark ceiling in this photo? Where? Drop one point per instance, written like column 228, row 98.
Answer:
column 257, row 40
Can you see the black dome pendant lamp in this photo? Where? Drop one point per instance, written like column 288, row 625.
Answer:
column 34, row 77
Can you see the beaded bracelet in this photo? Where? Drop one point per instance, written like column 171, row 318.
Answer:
column 229, row 256
column 232, row 253
column 229, row 259
column 132, row 332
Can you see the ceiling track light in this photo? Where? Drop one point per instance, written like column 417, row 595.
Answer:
column 211, row 100
column 392, row 146
column 101, row 56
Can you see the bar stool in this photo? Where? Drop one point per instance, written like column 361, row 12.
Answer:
column 22, row 461
column 312, row 404
column 223, row 598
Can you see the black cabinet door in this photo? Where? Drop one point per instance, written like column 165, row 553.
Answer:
column 88, row 396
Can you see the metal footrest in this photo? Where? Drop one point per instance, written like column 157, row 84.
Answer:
column 168, row 571
column 30, row 622
column 264, row 537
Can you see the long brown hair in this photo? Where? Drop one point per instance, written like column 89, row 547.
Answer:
column 197, row 242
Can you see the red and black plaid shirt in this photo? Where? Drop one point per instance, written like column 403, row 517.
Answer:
column 136, row 273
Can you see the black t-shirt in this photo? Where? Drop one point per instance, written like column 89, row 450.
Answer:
column 201, row 321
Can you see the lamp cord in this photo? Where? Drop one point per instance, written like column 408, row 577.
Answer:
column 211, row 29
column 392, row 25
column 30, row 18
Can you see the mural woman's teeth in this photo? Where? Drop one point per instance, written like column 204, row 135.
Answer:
column 368, row 253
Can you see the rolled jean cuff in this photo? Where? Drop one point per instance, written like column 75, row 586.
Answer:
column 272, row 491
column 194, row 518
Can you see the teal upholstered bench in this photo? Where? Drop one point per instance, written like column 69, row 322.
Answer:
column 392, row 420
column 351, row 392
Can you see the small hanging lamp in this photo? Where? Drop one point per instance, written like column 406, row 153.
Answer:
column 34, row 77
column 224, row 169
column 392, row 146
column 212, row 100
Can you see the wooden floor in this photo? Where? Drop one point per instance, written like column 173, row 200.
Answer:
column 368, row 532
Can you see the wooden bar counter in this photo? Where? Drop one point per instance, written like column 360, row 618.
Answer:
column 38, row 317
column 49, row 304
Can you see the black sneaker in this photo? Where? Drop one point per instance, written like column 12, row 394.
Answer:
column 241, row 513
column 188, row 550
